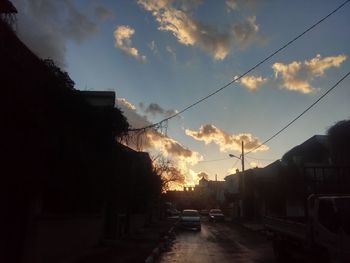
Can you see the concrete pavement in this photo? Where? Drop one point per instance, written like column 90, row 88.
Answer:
column 219, row 242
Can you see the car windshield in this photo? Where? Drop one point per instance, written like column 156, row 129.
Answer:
column 217, row 211
column 190, row 213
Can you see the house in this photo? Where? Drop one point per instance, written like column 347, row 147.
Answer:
column 133, row 193
column 232, row 193
column 57, row 152
column 282, row 187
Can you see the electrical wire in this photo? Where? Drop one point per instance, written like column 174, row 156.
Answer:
column 245, row 73
column 301, row 114
column 259, row 159
column 214, row 160
column 234, row 165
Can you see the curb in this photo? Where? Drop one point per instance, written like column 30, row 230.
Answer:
column 163, row 244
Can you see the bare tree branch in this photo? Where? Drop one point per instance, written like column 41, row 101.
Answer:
column 168, row 173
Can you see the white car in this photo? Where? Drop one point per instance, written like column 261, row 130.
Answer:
column 190, row 218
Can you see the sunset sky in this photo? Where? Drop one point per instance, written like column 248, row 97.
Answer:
column 161, row 56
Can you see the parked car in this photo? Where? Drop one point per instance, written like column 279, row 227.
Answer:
column 191, row 219
column 172, row 212
column 216, row 215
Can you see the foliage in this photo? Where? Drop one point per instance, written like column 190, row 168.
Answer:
column 166, row 170
column 61, row 77
column 120, row 124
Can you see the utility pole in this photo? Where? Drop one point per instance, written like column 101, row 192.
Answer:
column 243, row 182
column 242, row 156
column 242, row 201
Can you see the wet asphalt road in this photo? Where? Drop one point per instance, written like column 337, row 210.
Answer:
column 219, row 242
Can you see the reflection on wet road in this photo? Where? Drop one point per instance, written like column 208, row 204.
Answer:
column 219, row 242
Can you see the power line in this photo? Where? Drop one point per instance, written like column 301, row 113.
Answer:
column 234, row 165
column 260, row 159
column 214, row 160
column 244, row 74
column 301, row 114
column 223, row 159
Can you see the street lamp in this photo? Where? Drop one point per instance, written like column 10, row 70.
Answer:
column 241, row 157
column 234, row 156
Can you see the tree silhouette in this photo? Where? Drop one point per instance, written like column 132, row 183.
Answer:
column 169, row 174
column 62, row 78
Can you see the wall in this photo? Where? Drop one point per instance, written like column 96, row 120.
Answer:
column 137, row 221
column 54, row 238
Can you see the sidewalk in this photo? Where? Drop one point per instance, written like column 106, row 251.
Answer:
column 135, row 248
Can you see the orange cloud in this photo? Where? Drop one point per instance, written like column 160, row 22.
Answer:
column 226, row 142
column 122, row 35
column 156, row 142
column 189, row 32
column 252, row 83
column 297, row 75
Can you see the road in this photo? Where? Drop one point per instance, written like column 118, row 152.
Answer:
column 219, row 242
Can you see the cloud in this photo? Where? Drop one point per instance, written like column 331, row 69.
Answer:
column 234, row 5
column 231, row 4
column 246, row 31
column 252, row 83
column 317, row 65
column 171, row 51
column 46, row 27
column 217, row 42
column 226, row 142
column 103, row 13
column 122, row 36
column 155, row 109
column 297, row 75
column 124, row 103
column 155, row 142
column 171, row 148
column 153, row 47
column 203, row 175
column 129, row 110
column 232, row 170
column 253, row 164
column 182, row 157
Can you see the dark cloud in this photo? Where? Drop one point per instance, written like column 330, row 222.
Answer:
column 177, row 149
column 46, row 26
column 103, row 13
column 155, row 109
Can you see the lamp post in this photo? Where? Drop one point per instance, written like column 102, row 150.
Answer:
column 241, row 157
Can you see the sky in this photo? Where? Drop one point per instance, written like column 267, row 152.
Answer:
column 160, row 56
